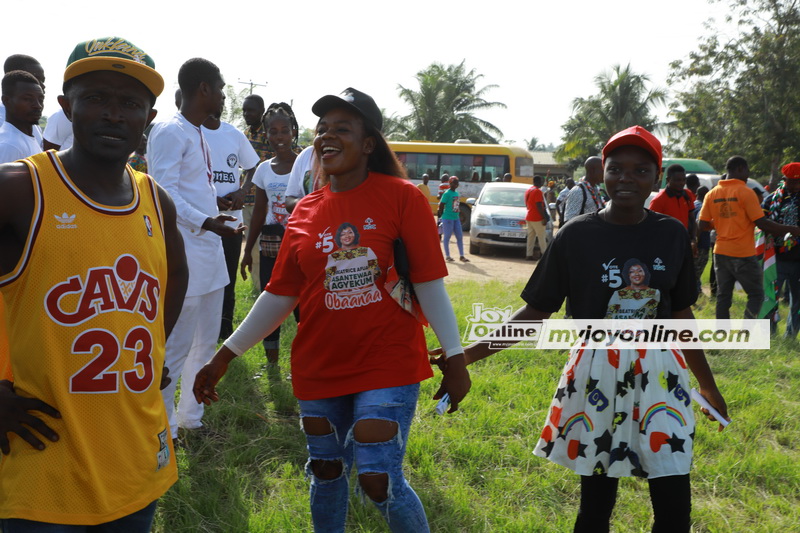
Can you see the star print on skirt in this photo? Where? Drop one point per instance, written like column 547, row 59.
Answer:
column 621, row 413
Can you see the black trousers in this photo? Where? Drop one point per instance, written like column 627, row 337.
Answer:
column 232, row 248
column 267, row 265
column 671, row 498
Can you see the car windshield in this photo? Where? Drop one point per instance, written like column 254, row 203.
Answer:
column 506, row 197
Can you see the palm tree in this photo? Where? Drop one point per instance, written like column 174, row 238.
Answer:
column 444, row 107
column 623, row 100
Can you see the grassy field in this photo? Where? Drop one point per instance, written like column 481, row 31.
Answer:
column 474, row 470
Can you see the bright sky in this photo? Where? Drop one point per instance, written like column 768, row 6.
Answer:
column 541, row 55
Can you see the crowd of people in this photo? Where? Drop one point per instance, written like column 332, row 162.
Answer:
column 119, row 265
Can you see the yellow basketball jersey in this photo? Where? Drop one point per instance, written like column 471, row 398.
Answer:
column 5, row 363
column 86, row 335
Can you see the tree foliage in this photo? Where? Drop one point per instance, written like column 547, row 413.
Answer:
column 444, row 107
column 740, row 94
column 623, row 99
column 232, row 112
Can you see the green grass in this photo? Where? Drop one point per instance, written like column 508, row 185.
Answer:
column 474, row 470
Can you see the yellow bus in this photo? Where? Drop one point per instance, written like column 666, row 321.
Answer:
column 474, row 164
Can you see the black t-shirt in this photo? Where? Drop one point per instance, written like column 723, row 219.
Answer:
column 594, row 262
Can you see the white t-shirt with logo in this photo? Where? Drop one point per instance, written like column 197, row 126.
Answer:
column 301, row 178
column 274, row 186
column 230, row 151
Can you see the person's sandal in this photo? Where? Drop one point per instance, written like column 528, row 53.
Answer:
column 449, row 259
column 463, row 259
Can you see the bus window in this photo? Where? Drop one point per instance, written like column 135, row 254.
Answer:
column 524, row 167
column 496, row 166
column 457, row 165
column 418, row 164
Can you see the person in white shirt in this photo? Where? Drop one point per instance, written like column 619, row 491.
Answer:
column 270, row 215
column 27, row 64
column 561, row 200
column 585, row 197
column 32, row 66
column 23, row 98
column 180, row 161
column 230, row 152
column 58, row 132
column 302, row 180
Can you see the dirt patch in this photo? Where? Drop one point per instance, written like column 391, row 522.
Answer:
column 496, row 264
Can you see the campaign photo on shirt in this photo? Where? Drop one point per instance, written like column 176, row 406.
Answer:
column 636, row 299
column 351, row 272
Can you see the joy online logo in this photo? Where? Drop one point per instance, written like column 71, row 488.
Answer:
column 66, row 221
column 485, row 321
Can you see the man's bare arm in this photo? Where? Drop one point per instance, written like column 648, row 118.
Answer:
column 177, row 268
column 16, row 210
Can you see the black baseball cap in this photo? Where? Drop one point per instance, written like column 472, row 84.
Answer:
column 352, row 99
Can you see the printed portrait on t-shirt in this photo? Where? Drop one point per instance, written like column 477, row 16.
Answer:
column 636, row 299
column 277, row 202
column 351, row 272
column 455, row 204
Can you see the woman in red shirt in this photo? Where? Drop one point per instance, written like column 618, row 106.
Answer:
column 358, row 356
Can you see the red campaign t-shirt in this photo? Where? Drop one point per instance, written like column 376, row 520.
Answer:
column 532, row 197
column 676, row 207
column 352, row 335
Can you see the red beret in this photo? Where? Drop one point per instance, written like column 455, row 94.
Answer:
column 791, row 170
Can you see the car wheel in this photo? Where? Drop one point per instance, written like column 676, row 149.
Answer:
column 474, row 249
column 464, row 214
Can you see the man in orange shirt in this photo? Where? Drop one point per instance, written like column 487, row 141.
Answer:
column 734, row 211
column 536, row 219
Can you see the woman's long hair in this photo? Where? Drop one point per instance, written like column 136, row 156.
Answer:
column 383, row 159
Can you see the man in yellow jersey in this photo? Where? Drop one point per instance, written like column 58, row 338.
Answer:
column 93, row 275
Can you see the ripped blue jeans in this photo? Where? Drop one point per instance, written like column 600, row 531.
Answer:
column 402, row 509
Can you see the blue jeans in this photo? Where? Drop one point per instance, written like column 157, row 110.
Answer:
column 402, row 509
column 452, row 227
column 789, row 271
column 749, row 272
column 138, row 522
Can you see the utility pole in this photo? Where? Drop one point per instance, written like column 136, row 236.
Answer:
column 252, row 84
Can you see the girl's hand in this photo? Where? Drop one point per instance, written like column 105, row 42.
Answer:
column 247, row 265
column 437, row 358
column 206, row 380
column 714, row 397
column 455, row 381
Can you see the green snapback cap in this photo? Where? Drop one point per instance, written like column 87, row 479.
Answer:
column 116, row 55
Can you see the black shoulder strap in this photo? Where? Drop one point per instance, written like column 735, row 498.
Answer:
column 583, row 204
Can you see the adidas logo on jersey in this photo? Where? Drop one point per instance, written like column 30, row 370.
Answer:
column 66, row 221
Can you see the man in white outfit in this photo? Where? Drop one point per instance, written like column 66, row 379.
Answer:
column 230, row 152
column 180, row 161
